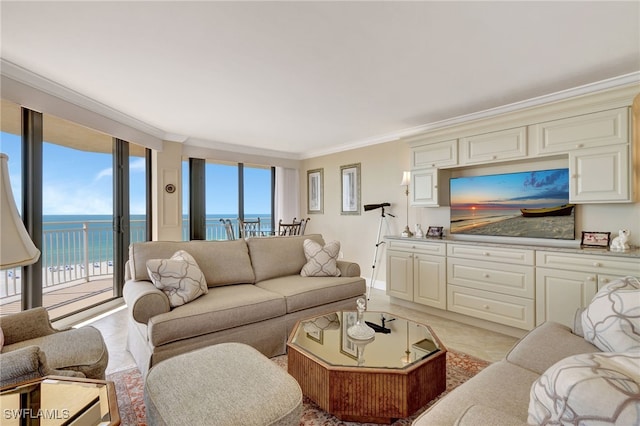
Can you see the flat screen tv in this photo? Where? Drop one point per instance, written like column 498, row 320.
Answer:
column 533, row 204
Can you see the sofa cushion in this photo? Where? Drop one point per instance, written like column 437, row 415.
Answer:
column 321, row 260
column 602, row 387
column 303, row 293
column 483, row 415
column 612, row 319
column 220, row 309
column 545, row 345
column 221, row 262
column 179, row 278
column 501, row 386
column 273, row 257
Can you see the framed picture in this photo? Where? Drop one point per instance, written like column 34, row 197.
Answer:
column 434, row 232
column 350, row 177
column 315, row 195
column 595, row 239
column 347, row 346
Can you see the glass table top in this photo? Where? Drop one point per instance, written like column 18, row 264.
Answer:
column 58, row 401
column 398, row 343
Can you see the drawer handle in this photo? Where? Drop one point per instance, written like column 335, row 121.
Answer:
column 486, row 253
column 486, row 275
column 485, row 306
column 590, row 278
column 579, row 145
column 604, row 280
column 597, row 264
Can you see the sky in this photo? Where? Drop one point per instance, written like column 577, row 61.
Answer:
column 543, row 188
column 78, row 182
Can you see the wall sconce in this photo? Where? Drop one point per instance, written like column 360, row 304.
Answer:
column 406, row 181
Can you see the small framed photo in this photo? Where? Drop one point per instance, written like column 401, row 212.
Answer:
column 315, row 183
column 316, row 335
column 434, row 232
column 595, row 239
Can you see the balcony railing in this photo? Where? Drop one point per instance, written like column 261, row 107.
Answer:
column 82, row 251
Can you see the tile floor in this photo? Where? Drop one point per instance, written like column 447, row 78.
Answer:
column 471, row 340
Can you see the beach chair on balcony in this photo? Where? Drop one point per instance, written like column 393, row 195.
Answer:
column 228, row 227
column 250, row 228
column 294, row 228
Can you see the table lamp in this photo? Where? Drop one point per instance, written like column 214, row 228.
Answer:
column 406, row 181
column 16, row 247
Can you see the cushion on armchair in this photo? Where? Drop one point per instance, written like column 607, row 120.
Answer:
column 612, row 320
column 603, row 387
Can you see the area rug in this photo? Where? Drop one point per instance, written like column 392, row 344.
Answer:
column 130, row 387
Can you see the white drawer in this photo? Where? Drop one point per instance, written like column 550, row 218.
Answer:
column 423, row 247
column 507, row 255
column 516, row 280
column 588, row 263
column 508, row 310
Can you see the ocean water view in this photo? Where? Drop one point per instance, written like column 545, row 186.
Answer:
column 70, row 240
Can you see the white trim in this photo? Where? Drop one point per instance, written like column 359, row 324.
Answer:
column 587, row 89
column 36, row 92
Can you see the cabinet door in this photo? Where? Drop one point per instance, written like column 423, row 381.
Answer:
column 429, row 281
column 435, row 155
column 400, row 274
column 424, row 189
column 584, row 131
column 495, row 146
column 600, row 175
column 560, row 293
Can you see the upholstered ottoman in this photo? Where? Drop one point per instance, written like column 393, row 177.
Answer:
column 224, row 384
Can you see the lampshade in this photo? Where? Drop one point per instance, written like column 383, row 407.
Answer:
column 16, row 247
column 406, row 178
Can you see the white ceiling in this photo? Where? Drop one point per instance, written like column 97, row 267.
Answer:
column 306, row 78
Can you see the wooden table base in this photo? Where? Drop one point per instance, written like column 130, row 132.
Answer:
column 369, row 395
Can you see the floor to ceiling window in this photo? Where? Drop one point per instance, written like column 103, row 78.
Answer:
column 232, row 191
column 79, row 265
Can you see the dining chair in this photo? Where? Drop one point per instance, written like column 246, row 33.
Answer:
column 228, row 226
column 286, row 229
column 250, row 228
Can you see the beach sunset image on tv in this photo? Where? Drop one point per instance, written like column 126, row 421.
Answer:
column 533, row 204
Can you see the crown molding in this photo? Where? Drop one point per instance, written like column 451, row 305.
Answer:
column 626, row 80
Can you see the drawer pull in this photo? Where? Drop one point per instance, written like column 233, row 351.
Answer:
column 486, row 253
column 486, row 275
column 590, row 278
column 597, row 264
column 485, row 306
column 579, row 145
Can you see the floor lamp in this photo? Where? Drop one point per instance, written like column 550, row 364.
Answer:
column 406, row 181
column 16, row 247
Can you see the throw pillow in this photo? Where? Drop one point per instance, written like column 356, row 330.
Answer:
column 594, row 388
column 179, row 278
column 612, row 320
column 1, row 339
column 321, row 261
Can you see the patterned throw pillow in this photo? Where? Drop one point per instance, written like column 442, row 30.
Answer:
column 612, row 320
column 179, row 278
column 321, row 261
column 595, row 388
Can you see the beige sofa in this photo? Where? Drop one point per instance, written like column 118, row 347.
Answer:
column 255, row 296
column 555, row 375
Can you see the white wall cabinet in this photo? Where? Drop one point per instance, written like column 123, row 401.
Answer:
column 509, row 144
column 439, row 154
column 416, row 271
column 425, row 189
column 600, row 175
column 584, row 131
column 566, row 282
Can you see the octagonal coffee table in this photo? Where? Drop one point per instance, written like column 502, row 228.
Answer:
column 388, row 377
